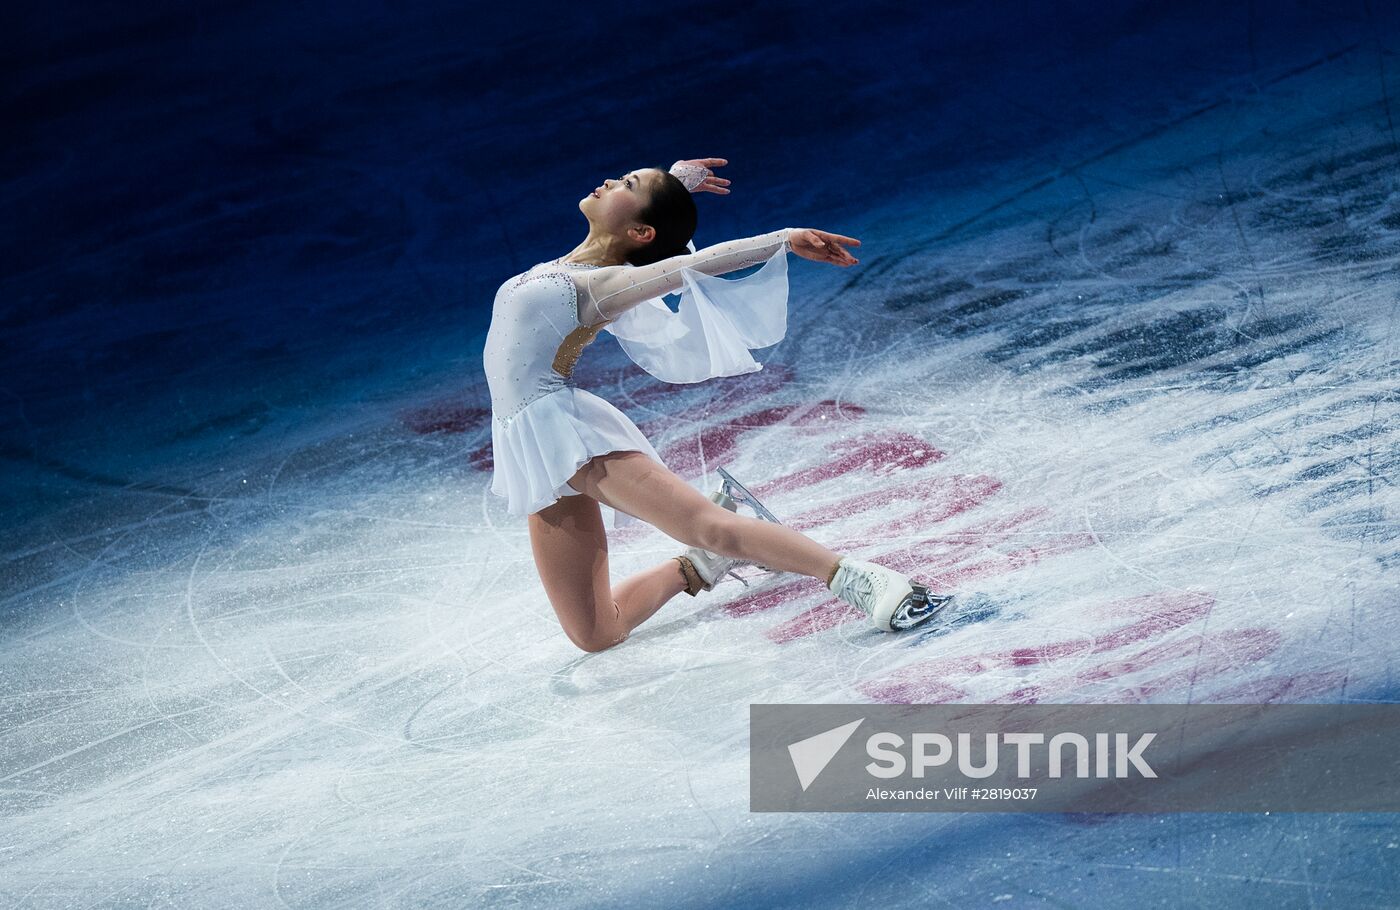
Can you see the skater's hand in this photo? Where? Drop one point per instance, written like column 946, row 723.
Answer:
column 821, row 246
column 690, row 170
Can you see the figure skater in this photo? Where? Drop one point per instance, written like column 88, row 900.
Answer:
column 560, row 452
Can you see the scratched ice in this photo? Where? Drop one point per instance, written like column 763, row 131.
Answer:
column 1138, row 404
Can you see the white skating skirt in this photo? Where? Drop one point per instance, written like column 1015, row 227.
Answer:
column 555, row 435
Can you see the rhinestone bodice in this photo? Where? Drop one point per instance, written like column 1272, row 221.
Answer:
column 533, row 316
column 536, row 335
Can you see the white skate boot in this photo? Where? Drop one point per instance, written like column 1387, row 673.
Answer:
column 703, row 569
column 711, row 567
column 892, row 601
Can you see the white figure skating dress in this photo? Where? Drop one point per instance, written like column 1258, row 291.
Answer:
column 543, row 428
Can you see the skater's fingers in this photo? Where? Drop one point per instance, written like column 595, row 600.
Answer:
column 838, row 254
column 713, row 162
column 842, row 238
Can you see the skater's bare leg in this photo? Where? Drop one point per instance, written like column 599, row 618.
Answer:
column 640, row 486
column 571, row 553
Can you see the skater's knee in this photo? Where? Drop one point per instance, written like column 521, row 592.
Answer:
column 589, row 644
column 598, row 635
column 595, row 641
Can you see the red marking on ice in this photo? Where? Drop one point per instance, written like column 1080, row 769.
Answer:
column 1160, row 612
column 774, row 597
column 874, row 455
column 1286, row 689
column 817, row 619
column 951, row 496
column 948, row 550
column 1217, row 654
column 930, row 680
column 716, row 443
column 445, row 418
column 1003, row 563
column 932, row 500
column 1209, row 655
column 910, row 688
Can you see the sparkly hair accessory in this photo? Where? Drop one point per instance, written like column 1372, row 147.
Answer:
column 692, row 175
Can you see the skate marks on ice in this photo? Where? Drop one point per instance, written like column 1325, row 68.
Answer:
column 909, row 497
column 1184, row 285
column 1242, row 340
column 1203, row 329
column 1137, row 659
column 1215, row 356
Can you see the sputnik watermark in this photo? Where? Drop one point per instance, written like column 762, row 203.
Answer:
column 1112, row 756
column 889, row 761
column 1088, row 758
column 811, row 755
column 955, row 794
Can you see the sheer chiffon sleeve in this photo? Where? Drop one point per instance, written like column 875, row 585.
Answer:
column 718, row 321
column 611, row 290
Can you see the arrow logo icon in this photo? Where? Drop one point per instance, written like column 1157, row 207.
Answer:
column 810, row 756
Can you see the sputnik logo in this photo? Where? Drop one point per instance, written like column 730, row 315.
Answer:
column 810, row 756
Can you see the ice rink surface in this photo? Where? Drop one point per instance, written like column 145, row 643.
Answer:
column 1133, row 393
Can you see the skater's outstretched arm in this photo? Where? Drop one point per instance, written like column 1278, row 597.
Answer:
column 608, row 292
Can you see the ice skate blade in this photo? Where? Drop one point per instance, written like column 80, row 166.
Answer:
column 730, row 494
column 739, row 493
column 919, row 607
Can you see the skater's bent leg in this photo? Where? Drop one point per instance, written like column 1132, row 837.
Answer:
column 571, row 553
column 639, row 596
column 639, row 485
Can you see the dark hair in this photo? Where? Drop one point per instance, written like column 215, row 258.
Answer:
column 671, row 213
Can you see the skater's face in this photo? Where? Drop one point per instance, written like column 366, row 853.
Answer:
column 614, row 206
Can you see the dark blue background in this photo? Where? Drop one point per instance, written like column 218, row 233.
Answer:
column 212, row 203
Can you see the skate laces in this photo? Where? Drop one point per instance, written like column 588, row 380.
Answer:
column 855, row 585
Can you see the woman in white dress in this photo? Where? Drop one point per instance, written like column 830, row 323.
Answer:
column 560, row 452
